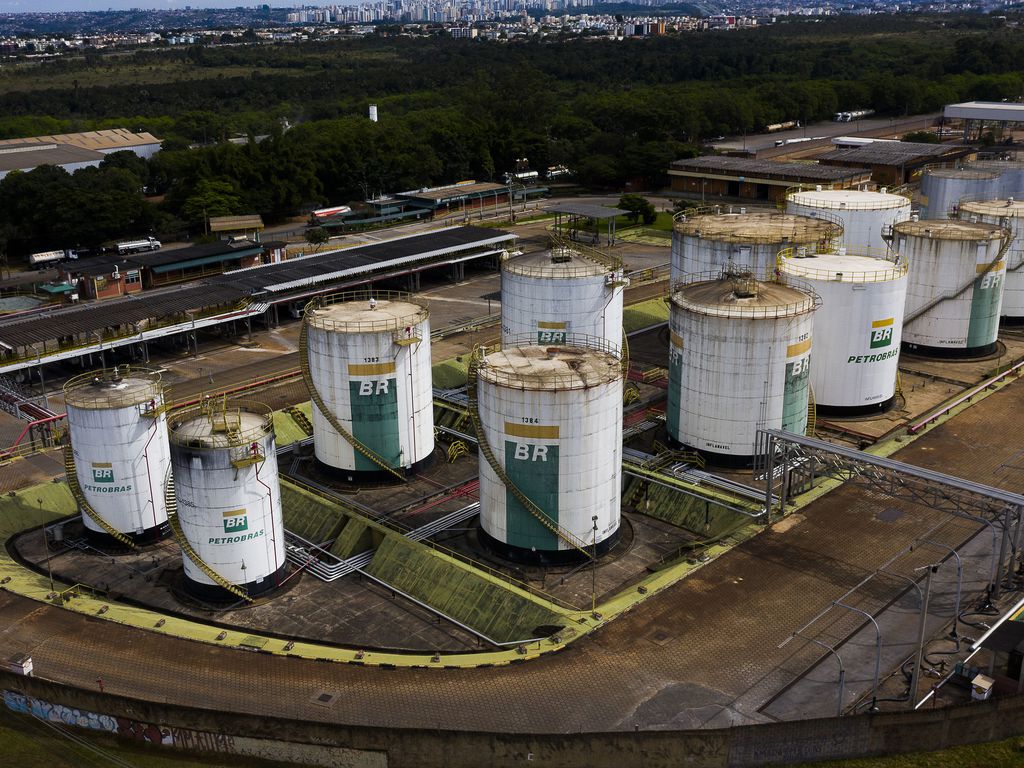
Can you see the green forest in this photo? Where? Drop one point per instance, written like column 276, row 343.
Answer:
column 453, row 110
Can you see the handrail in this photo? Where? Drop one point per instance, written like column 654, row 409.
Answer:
column 894, row 271
column 314, row 393
column 383, row 322
column 853, row 206
column 954, row 293
column 76, row 491
column 809, row 303
column 171, row 502
column 612, row 263
column 484, row 447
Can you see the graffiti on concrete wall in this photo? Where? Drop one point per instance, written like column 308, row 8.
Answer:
column 124, row 727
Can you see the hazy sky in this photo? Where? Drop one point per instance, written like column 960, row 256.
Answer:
column 27, row 6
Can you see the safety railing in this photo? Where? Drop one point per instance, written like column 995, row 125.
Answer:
column 382, row 322
column 744, row 275
column 801, row 264
column 98, row 389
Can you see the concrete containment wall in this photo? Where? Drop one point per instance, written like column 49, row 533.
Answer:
column 362, row 747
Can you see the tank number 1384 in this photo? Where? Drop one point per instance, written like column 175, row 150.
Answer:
column 528, row 420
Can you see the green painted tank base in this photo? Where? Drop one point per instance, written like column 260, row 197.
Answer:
column 107, row 543
column 855, row 410
column 951, row 353
column 542, row 557
column 212, row 593
column 376, row 477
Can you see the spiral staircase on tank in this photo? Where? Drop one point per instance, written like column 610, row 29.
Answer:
column 171, row 502
column 83, row 503
column 484, row 447
column 307, row 378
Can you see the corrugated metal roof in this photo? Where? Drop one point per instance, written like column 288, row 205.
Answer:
column 111, row 138
column 29, row 155
column 893, row 152
column 235, row 223
column 586, row 209
column 768, row 169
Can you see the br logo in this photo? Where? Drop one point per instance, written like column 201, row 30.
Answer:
column 235, row 521
column 523, row 452
column 373, row 387
column 550, row 337
column 881, row 333
column 102, row 473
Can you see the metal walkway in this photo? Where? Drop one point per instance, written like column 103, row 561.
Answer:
column 320, row 563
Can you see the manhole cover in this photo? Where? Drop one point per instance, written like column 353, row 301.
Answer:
column 324, row 698
column 890, row 515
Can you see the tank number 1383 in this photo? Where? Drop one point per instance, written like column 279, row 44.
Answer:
column 371, row 359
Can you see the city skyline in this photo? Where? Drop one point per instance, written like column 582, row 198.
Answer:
column 58, row 6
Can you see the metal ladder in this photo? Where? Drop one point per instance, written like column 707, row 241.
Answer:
column 171, row 501
column 1007, row 241
column 307, row 378
column 83, row 503
column 492, row 460
column 812, row 412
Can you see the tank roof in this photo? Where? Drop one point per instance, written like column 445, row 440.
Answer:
column 848, row 199
column 843, row 268
column 1008, row 207
column 359, row 316
column 550, row 368
column 948, row 229
column 557, row 263
column 719, row 298
column 757, row 226
column 962, row 173
column 213, row 425
column 113, row 388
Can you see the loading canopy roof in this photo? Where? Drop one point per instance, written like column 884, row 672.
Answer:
column 589, row 210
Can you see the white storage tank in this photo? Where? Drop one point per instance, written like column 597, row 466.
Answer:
column 857, row 329
column 710, row 239
column 119, row 439
column 552, row 416
column 1011, row 177
column 369, row 360
column 942, row 189
column 867, row 217
column 1009, row 214
column 229, row 497
column 955, row 289
column 739, row 361
column 548, row 295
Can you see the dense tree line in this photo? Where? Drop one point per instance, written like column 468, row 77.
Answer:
column 456, row 109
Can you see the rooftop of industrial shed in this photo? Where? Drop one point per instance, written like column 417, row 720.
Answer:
column 586, row 209
column 222, row 248
column 453, row 192
column 235, row 223
column 111, row 138
column 768, row 169
column 894, row 152
column 23, row 155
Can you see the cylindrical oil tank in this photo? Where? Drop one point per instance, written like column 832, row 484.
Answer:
column 1011, row 177
column 119, row 438
column 1009, row 214
column 955, row 288
column 229, row 497
column 857, row 329
column 867, row 217
column 710, row 239
column 552, row 417
column 942, row 189
column 739, row 361
column 548, row 295
column 369, row 359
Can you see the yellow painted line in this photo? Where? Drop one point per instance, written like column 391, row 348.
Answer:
column 676, row 339
column 882, row 323
column 551, row 325
column 370, row 369
column 800, row 347
column 544, row 431
column 984, row 267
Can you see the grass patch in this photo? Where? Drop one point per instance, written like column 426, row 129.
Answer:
column 650, row 312
column 450, row 373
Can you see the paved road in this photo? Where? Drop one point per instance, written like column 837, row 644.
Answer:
column 703, row 652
